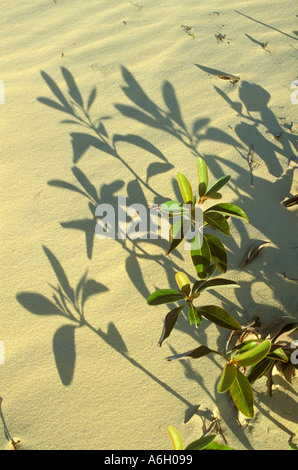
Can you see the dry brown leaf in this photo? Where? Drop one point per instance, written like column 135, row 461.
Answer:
column 233, row 78
column 253, row 252
column 291, row 201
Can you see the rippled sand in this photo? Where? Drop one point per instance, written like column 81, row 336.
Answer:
column 148, row 71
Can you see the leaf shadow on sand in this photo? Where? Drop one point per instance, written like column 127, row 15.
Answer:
column 168, row 119
column 69, row 303
column 96, row 134
column 258, row 128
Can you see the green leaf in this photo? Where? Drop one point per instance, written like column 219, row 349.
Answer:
column 171, row 207
column 227, row 378
column 218, row 222
column 201, row 443
column 194, row 316
column 253, row 356
column 278, row 354
column 176, row 235
column 219, row 316
column 213, row 284
column 202, row 176
column 293, row 446
column 247, row 345
column 218, row 252
column 228, row 209
column 257, row 371
column 176, row 438
column 220, row 183
column 242, row 395
column 213, row 196
column 201, row 257
column 185, row 188
column 196, row 353
column 170, row 321
column 208, row 272
column 164, row 296
column 216, row 446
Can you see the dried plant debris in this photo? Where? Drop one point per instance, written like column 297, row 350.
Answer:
column 278, row 136
column 290, row 127
column 221, row 38
column 232, row 78
column 55, row 1
column 253, row 252
column 14, row 443
column 284, row 275
column 188, row 30
column 237, row 337
column 292, row 201
column 265, row 47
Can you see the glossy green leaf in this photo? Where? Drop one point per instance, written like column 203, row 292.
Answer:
column 218, row 252
column 164, row 296
column 202, row 176
column 194, row 316
column 228, row 209
column 220, row 183
column 176, row 235
column 169, row 323
column 242, row 395
column 196, row 353
column 176, row 438
column 253, row 356
column 219, row 316
column 171, row 207
column 214, row 284
column 278, row 354
column 261, row 368
column 201, row 257
column 245, row 346
column 293, row 446
column 213, row 196
column 218, row 222
column 248, row 345
column 201, row 443
column 227, row 378
column 216, row 446
column 207, row 273
column 185, row 188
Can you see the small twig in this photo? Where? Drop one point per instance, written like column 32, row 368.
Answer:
column 289, row 278
column 135, row 4
column 6, row 431
column 251, row 163
column 245, row 329
column 291, row 201
column 216, row 424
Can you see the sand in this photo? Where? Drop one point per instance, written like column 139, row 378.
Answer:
column 155, row 104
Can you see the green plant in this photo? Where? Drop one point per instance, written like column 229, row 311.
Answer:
column 205, row 442
column 247, row 362
column 182, row 217
column 249, row 359
column 187, row 295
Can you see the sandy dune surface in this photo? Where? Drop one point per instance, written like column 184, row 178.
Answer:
column 101, row 99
